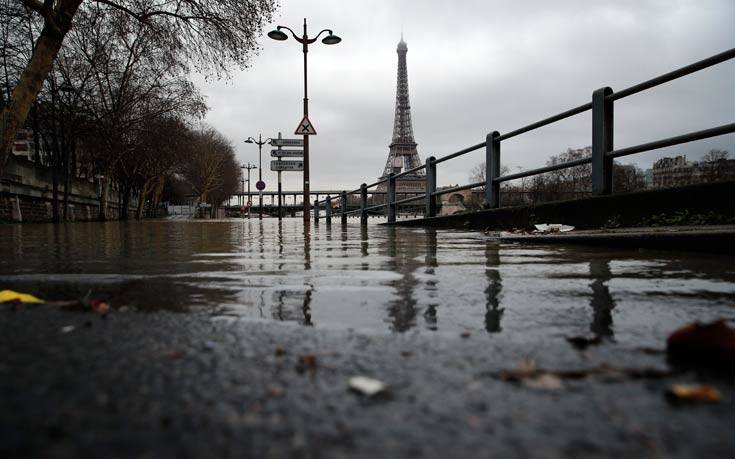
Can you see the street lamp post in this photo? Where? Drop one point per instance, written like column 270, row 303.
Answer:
column 330, row 39
column 248, row 167
column 260, row 185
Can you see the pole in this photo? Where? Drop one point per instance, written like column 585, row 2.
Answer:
column 280, row 212
column 305, row 43
column 260, row 175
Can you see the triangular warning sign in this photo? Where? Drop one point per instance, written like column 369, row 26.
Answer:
column 305, row 127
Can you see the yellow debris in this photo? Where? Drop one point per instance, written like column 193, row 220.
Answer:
column 9, row 295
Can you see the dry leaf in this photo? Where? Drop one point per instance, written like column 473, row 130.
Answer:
column 545, row 381
column 694, row 393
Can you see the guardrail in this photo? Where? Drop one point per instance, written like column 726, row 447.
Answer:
column 603, row 153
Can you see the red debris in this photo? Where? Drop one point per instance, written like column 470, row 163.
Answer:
column 711, row 344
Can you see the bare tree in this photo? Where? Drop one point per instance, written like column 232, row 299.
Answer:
column 208, row 35
column 714, row 165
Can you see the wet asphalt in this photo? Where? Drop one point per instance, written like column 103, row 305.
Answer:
column 163, row 384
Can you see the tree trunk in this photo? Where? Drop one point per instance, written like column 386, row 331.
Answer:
column 104, row 191
column 24, row 94
column 141, row 200
column 157, row 192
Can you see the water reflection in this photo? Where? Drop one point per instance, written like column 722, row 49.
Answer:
column 602, row 301
column 402, row 309
column 375, row 277
column 493, row 311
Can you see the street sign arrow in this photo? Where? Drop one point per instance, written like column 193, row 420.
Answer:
column 290, row 166
column 287, row 142
column 287, row 153
column 305, row 127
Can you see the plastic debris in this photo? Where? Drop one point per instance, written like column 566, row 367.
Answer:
column 67, row 329
column 11, row 296
column 693, row 393
column 552, row 228
column 711, row 344
column 367, row 386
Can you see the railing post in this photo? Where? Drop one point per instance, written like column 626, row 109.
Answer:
column 390, row 197
column 316, row 211
column 602, row 141
column 430, row 187
column 328, row 210
column 363, row 204
column 344, row 207
column 492, row 170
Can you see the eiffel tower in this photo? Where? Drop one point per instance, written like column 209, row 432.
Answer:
column 402, row 153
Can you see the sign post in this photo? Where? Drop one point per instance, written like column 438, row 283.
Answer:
column 287, row 166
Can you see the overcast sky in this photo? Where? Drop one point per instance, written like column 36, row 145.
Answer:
column 476, row 66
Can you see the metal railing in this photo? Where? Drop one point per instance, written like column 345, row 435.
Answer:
column 603, row 153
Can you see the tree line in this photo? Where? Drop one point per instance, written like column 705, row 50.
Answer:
column 576, row 182
column 105, row 87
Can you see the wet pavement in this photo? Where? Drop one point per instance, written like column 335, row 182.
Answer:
column 237, row 339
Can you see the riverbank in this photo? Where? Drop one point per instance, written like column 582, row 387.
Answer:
column 693, row 205
column 713, row 238
column 164, row 384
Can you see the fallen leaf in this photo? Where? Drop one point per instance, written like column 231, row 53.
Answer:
column 366, row 386
column 545, row 381
column 99, row 306
column 306, row 362
column 7, row 296
column 711, row 344
column 693, row 393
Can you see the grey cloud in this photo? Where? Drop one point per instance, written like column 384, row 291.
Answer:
column 476, row 66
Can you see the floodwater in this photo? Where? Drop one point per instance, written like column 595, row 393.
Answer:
column 380, row 279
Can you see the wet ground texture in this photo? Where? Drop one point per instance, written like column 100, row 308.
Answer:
column 199, row 363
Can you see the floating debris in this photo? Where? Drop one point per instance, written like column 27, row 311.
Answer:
column 68, row 329
column 693, row 393
column 552, row 228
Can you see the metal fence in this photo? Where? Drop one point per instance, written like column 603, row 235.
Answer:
column 603, row 153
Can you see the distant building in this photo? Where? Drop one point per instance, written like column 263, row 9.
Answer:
column 677, row 171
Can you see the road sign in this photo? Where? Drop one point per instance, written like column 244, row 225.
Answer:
column 293, row 166
column 287, row 142
column 305, row 127
column 287, row 153
column 260, row 185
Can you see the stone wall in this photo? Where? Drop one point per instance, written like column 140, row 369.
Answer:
column 26, row 196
